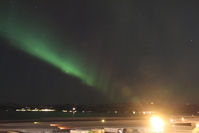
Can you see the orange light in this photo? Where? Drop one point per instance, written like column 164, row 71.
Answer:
column 62, row 128
column 54, row 125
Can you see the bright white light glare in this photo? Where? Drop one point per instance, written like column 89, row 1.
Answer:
column 157, row 124
column 197, row 125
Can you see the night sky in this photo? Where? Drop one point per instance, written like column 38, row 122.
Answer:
column 99, row 51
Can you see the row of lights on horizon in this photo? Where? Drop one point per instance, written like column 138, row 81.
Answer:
column 43, row 110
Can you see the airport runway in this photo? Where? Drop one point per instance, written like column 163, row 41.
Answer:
column 133, row 126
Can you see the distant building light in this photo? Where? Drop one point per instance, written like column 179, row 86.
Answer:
column 35, row 109
column 42, row 110
column 22, row 109
column 47, row 110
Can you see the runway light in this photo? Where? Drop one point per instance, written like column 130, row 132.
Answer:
column 54, row 125
column 103, row 121
column 182, row 118
column 157, row 124
column 36, row 122
column 62, row 128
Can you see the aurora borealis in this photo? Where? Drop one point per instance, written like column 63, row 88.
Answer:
column 32, row 42
column 99, row 51
column 39, row 41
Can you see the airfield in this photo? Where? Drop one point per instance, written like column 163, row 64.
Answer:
column 85, row 125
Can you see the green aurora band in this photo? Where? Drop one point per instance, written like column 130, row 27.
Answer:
column 34, row 39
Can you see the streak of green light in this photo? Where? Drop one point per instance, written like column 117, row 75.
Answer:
column 45, row 48
column 34, row 37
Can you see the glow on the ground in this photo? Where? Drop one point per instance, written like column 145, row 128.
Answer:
column 157, row 124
